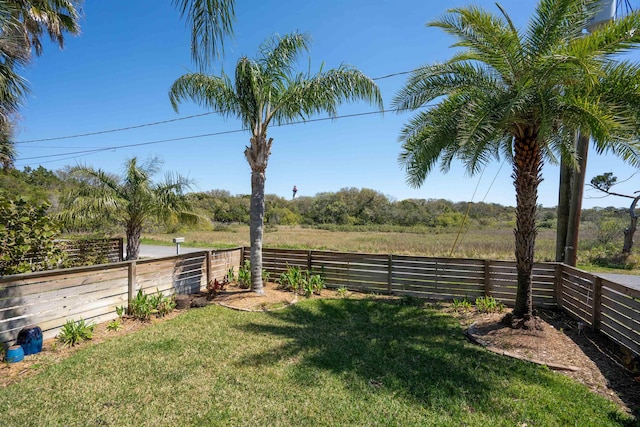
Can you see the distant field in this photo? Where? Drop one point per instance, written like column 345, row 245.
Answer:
column 487, row 243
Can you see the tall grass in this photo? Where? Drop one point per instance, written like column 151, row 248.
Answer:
column 485, row 243
column 318, row 363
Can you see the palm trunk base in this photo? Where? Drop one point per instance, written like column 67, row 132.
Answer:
column 528, row 323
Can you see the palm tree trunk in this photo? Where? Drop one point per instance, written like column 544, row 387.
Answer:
column 133, row 241
column 526, row 179
column 257, row 155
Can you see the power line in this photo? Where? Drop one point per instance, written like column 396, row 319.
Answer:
column 160, row 122
column 75, row 154
column 55, row 138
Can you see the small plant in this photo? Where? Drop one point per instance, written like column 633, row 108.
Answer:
column 297, row 280
column 489, row 305
column 114, row 325
column 73, row 333
column 231, row 275
column 120, row 311
column 342, row 292
column 143, row 306
column 291, row 280
column 215, row 287
column 164, row 304
column 244, row 275
column 139, row 308
column 462, row 305
column 316, row 283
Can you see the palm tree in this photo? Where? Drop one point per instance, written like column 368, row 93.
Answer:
column 523, row 95
column 55, row 17
column 267, row 90
column 131, row 199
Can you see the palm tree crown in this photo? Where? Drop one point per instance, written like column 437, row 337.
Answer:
column 523, row 95
column 131, row 199
column 266, row 90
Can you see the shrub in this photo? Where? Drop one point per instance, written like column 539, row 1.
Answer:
column 244, row 275
column 462, row 305
column 73, row 333
column 114, row 325
column 143, row 306
column 295, row 279
column 214, row 288
column 489, row 305
column 26, row 238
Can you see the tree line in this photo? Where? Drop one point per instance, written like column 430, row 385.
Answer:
column 347, row 207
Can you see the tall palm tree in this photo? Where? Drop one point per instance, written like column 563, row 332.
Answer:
column 268, row 90
column 131, row 199
column 523, row 95
column 22, row 24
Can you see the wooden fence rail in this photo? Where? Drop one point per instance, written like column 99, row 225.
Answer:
column 48, row 299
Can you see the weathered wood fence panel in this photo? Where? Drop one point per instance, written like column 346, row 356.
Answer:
column 437, row 278
column 503, row 282
column 577, row 293
column 48, row 299
column 102, row 250
column 221, row 261
column 364, row 272
column 618, row 315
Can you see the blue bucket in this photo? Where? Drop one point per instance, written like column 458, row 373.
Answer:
column 14, row 354
column 31, row 340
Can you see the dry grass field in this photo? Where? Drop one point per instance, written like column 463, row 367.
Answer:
column 488, row 243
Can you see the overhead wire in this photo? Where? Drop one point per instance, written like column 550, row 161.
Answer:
column 160, row 122
column 115, row 147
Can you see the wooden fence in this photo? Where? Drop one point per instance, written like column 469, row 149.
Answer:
column 82, row 251
column 48, row 299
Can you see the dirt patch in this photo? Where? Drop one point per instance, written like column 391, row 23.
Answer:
column 566, row 346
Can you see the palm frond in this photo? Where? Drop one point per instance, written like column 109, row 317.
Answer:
column 210, row 21
column 492, row 40
column 207, row 91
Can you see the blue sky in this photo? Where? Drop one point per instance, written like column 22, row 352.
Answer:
column 117, row 74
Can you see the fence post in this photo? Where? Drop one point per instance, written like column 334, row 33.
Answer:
column 597, row 303
column 309, row 261
column 487, row 278
column 131, row 284
column 121, row 249
column 208, row 267
column 389, row 272
column 558, row 284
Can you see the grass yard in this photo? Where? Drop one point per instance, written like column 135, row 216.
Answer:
column 318, row 363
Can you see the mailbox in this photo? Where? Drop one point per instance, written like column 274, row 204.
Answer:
column 177, row 241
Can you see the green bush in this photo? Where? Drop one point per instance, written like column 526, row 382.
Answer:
column 297, row 280
column 73, row 333
column 143, row 305
column 26, row 238
column 489, row 305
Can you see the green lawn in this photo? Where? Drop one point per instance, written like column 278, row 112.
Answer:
column 317, row 363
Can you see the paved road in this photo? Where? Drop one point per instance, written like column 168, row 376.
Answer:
column 153, row 251
column 629, row 280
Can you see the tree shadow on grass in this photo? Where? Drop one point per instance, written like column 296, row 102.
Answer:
column 410, row 351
